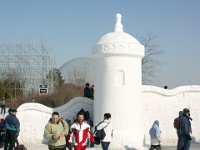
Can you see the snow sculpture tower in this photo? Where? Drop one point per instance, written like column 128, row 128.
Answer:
column 118, row 77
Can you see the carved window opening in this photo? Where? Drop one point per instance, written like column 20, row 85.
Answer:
column 120, row 78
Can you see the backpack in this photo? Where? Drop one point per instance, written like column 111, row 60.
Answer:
column 99, row 134
column 177, row 124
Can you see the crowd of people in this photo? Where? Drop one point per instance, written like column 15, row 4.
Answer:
column 78, row 135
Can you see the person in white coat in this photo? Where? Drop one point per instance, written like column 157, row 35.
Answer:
column 106, row 124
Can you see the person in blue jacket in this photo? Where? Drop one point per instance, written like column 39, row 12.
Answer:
column 155, row 136
column 186, row 128
column 12, row 126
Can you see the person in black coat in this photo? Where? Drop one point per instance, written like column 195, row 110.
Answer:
column 88, row 91
column 186, row 129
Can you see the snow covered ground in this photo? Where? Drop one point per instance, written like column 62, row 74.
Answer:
column 45, row 147
column 40, row 147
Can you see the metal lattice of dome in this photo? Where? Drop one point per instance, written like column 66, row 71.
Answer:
column 78, row 71
column 31, row 61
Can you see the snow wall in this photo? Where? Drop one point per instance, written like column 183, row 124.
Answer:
column 159, row 104
column 164, row 105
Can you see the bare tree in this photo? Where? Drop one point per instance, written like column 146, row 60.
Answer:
column 12, row 83
column 54, row 77
column 150, row 65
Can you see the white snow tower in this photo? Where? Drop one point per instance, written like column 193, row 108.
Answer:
column 118, row 79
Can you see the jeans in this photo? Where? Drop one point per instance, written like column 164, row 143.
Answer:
column 186, row 143
column 105, row 145
column 180, row 141
column 11, row 137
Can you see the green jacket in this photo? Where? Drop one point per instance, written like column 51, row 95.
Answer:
column 55, row 129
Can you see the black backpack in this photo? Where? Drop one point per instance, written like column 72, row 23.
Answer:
column 99, row 134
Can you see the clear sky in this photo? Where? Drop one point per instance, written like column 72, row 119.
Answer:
column 73, row 26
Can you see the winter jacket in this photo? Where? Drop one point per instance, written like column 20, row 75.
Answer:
column 108, row 130
column 155, row 133
column 80, row 134
column 185, row 125
column 87, row 92
column 12, row 123
column 54, row 129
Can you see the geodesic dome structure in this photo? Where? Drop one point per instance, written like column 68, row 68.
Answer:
column 30, row 62
column 78, row 71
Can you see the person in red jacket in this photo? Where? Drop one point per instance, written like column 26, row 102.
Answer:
column 80, row 133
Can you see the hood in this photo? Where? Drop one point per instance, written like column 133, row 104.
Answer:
column 156, row 122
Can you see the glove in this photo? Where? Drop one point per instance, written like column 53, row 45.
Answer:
column 92, row 144
column 188, row 137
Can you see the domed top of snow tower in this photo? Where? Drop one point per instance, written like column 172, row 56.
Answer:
column 118, row 43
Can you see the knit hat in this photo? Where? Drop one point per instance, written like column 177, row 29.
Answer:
column 13, row 110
